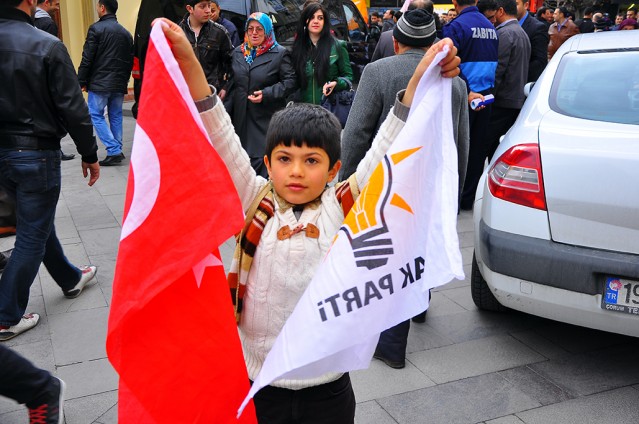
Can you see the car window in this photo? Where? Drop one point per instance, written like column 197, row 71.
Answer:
column 355, row 24
column 598, row 86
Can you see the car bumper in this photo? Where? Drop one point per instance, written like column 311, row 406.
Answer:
column 555, row 281
column 574, row 268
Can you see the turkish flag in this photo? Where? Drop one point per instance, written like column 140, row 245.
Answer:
column 172, row 336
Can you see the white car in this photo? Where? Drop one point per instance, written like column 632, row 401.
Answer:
column 556, row 213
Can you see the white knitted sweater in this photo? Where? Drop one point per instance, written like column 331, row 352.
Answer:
column 282, row 269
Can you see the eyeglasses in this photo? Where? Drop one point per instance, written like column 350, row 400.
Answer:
column 257, row 30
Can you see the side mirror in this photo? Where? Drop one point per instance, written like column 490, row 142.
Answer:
column 527, row 88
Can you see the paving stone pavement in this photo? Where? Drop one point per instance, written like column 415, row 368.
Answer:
column 463, row 365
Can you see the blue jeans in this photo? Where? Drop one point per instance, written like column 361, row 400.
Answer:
column 110, row 134
column 32, row 178
column 20, row 380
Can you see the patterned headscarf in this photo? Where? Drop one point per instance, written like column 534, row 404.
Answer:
column 251, row 52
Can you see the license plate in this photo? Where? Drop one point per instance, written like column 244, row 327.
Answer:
column 621, row 295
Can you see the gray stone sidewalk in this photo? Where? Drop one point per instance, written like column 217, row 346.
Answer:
column 463, row 365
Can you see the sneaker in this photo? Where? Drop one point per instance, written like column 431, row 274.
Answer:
column 88, row 272
column 27, row 322
column 52, row 411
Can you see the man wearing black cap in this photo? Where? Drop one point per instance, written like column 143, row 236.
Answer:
column 378, row 87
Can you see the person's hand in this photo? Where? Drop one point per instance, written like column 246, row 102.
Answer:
column 222, row 94
column 93, row 169
column 183, row 53
column 472, row 96
column 328, row 88
column 84, row 88
column 256, row 97
column 449, row 67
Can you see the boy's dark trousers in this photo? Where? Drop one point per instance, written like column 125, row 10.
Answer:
column 332, row 402
column 20, row 380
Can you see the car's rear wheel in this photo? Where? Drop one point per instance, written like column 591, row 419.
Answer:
column 482, row 296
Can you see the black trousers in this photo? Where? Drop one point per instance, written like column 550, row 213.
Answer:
column 332, row 403
column 477, row 152
column 20, row 380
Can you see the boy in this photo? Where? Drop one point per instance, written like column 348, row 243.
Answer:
column 293, row 227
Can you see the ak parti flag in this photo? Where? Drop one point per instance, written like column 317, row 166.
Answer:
column 398, row 241
column 172, row 336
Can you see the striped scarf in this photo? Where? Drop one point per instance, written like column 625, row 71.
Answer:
column 263, row 209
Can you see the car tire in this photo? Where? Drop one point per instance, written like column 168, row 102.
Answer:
column 482, row 296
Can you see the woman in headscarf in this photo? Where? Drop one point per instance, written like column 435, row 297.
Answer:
column 263, row 77
column 321, row 61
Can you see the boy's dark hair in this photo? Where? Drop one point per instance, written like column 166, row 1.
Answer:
column 509, row 6
column 589, row 11
column 192, row 3
column 111, row 6
column 375, row 14
column 305, row 124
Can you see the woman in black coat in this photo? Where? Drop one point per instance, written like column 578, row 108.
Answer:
column 263, row 78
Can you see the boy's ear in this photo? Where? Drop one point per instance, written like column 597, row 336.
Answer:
column 268, row 165
column 332, row 173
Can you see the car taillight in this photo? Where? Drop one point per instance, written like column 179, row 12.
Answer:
column 516, row 177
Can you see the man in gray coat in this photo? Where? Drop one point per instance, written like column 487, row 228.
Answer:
column 378, row 87
column 511, row 74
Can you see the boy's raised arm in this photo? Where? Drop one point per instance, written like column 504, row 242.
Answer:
column 189, row 65
column 449, row 64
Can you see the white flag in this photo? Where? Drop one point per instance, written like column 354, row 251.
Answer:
column 398, row 241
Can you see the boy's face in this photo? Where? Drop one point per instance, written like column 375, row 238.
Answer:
column 300, row 174
column 201, row 12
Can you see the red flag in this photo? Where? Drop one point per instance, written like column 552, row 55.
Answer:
column 172, row 336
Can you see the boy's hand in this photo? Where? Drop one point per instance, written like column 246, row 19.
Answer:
column 449, row 65
column 183, row 52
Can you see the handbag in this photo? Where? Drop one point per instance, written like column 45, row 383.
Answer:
column 339, row 104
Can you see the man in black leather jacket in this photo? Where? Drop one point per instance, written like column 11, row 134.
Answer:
column 40, row 101
column 210, row 42
column 107, row 59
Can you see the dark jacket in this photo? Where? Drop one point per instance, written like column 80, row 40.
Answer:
column 42, row 108
column 476, row 42
column 43, row 21
column 384, row 46
column 231, row 29
column 512, row 66
column 271, row 72
column 213, row 50
column 107, row 57
column 538, row 35
column 585, row 25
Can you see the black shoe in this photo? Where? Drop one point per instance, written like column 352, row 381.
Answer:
column 51, row 410
column 420, row 318
column 112, row 160
column 67, row 157
column 393, row 364
column 4, row 258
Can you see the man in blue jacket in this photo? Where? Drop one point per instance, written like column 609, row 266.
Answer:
column 476, row 41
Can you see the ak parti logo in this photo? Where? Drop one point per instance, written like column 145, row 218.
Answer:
column 366, row 226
